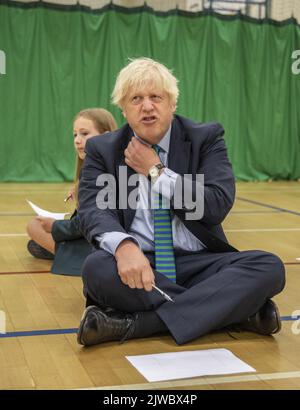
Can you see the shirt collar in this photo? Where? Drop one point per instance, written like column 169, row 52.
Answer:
column 164, row 143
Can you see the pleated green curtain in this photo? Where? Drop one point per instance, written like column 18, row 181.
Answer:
column 60, row 60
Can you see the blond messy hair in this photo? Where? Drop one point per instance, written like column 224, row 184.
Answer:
column 142, row 72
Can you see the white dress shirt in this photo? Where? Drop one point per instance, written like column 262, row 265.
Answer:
column 141, row 230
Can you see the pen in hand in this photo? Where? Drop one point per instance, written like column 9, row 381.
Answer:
column 68, row 197
column 165, row 295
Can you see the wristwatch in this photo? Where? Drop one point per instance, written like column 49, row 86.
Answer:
column 155, row 171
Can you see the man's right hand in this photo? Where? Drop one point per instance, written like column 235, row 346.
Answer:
column 133, row 266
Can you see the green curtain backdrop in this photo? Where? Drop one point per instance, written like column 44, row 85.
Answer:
column 62, row 59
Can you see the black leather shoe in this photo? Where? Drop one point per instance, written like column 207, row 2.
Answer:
column 38, row 251
column 266, row 321
column 98, row 326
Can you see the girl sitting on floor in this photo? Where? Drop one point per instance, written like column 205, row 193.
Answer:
column 62, row 240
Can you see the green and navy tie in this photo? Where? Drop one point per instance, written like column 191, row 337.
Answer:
column 163, row 240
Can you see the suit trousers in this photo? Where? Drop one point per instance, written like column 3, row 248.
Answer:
column 212, row 290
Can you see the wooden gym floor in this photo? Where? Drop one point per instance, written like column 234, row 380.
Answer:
column 39, row 350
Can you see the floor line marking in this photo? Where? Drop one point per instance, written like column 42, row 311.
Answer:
column 264, row 230
column 25, row 333
column 17, row 214
column 268, row 206
column 255, row 212
column 44, row 332
column 43, row 189
column 201, row 381
column 232, row 212
column 3, row 235
column 25, row 272
column 271, row 191
column 291, row 263
column 48, row 271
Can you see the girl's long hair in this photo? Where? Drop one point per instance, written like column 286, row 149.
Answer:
column 103, row 121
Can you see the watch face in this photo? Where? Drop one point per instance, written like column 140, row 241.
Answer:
column 154, row 172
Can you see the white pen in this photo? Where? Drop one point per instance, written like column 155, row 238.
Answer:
column 167, row 297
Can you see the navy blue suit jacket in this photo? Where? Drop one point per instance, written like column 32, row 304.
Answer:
column 194, row 149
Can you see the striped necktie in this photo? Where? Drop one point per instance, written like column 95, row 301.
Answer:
column 163, row 240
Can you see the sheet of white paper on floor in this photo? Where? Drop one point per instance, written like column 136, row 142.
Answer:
column 47, row 214
column 181, row 365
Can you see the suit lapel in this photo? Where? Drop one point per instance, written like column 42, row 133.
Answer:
column 122, row 180
column 180, row 150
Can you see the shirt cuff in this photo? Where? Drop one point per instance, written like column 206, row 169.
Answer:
column 109, row 241
column 165, row 183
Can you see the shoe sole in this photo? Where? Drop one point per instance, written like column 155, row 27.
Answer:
column 278, row 318
column 38, row 251
column 82, row 322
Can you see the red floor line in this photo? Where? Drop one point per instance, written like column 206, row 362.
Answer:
column 23, row 272
column 291, row 263
column 48, row 271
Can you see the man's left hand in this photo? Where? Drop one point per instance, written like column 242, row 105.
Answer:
column 140, row 157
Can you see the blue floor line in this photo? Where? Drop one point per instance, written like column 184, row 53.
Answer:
column 74, row 330
column 288, row 318
column 40, row 332
column 276, row 208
